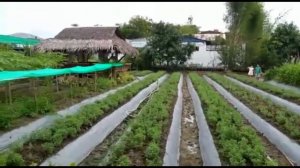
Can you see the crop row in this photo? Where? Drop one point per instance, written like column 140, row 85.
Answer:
column 45, row 142
column 146, row 131
column 237, row 143
column 284, row 93
column 140, row 73
column 283, row 119
column 48, row 100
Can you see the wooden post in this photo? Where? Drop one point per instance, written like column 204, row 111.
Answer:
column 111, row 73
column 9, row 93
column 34, row 91
column 95, row 81
column 56, row 79
column 71, row 88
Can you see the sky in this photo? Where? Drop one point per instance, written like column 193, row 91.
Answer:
column 47, row 19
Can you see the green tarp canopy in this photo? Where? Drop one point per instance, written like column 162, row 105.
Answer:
column 13, row 75
column 6, row 39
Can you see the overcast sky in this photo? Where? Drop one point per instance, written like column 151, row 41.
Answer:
column 46, row 19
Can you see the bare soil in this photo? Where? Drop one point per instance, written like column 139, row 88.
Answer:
column 189, row 146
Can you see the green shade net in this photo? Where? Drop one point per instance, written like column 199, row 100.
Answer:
column 17, row 40
column 13, row 75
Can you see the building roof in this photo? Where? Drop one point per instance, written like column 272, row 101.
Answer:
column 190, row 39
column 88, row 38
column 88, row 33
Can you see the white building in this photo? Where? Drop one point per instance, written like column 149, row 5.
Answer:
column 205, row 56
column 210, row 35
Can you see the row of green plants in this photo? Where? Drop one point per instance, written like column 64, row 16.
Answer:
column 14, row 60
column 146, row 130
column 288, row 122
column 287, row 73
column 45, row 142
column 284, row 93
column 141, row 73
column 238, row 144
column 48, row 100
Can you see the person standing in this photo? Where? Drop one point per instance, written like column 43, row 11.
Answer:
column 251, row 69
column 258, row 72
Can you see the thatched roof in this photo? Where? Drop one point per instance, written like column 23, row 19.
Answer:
column 88, row 38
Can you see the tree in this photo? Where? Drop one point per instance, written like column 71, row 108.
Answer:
column 138, row 27
column 188, row 29
column 245, row 21
column 285, row 42
column 165, row 47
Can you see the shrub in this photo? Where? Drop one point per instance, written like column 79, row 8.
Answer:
column 125, row 77
column 287, row 73
column 14, row 159
column 48, row 147
column 124, row 161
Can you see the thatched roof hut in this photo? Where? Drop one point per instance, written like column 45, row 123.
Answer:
column 91, row 39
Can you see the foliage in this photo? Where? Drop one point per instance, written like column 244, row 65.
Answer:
column 287, row 73
column 237, row 143
column 53, row 137
column 164, row 46
column 13, row 60
column 124, row 161
column 284, row 93
column 140, row 73
column 284, row 42
column 104, row 83
column 146, row 130
column 125, row 77
column 245, row 21
column 14, row 159
column 287, row 121
column 48, row 100
column 188, row 29
column 138, row 27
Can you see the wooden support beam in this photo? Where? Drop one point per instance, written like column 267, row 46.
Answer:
column 95, row 82
column 56, row 81
column 9, row 93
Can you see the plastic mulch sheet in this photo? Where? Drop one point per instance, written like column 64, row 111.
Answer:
column 288, row 105
column 12, row 136
column 286, row 145
column 284, row 86
column 171, row 157
column 209, row 153
column 79, row 149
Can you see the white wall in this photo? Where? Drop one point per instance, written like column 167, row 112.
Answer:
column 204, row 58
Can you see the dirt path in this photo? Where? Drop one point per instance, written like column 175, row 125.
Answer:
column 189, row 146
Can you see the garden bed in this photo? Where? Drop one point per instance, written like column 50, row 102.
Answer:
column 283, row 93
column 47, row 141
column 286, row 121
column 288, row 147
column 237, row 143
column 143, row 144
